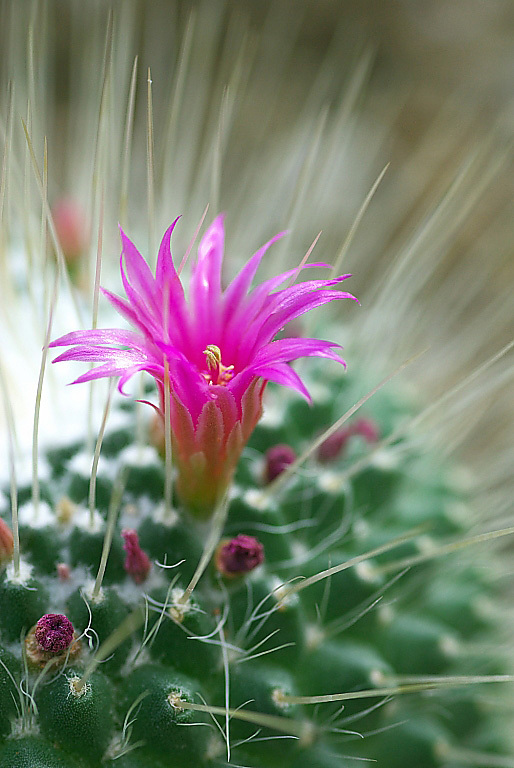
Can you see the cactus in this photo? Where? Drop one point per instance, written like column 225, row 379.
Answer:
column 185, row 616
column 252, row 636
column 316, row 592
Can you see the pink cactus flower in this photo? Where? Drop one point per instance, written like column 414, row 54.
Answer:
column 215, row 351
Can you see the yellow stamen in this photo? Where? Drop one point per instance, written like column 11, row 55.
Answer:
column 213, row 355
column 221, row 374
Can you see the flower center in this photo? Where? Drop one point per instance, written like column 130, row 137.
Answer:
column 217, row 372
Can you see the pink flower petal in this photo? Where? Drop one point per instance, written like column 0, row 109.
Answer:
column 165, row 269
column 240, row 285
column 283, row 374
column 99, row 337
column 138, row 272
column 285, row 350
column 173, row 309
column 126, row 310
column 278, row 320
column 205, row 286
column 102, row 354
column 111, row 370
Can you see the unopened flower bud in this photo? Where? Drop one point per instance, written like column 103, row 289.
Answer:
column 366, row 428
column 6, row 543
column 71, row 229
column 237, row 556
column 278, row 458
column 334, row 445
column 63, row 571
column 137, row 563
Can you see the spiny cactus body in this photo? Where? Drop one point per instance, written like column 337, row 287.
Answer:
column 251, row 636
column 344, row 608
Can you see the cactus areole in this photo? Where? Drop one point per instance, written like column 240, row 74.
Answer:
column 215, row 351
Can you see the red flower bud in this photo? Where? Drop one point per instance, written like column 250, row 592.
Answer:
column 6, row 543
column 137, row 563
column 366, row 428
column 277, row 459
column 334, row 445
column 239, row 555
column 63, row 571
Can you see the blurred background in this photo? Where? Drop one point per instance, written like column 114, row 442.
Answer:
column 283, row 113
column 423, row 81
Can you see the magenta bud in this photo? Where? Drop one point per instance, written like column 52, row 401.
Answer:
column 54, row 632
column 240, row 555
column 278, row 458
column 63, row 571
column 6, row 543
column 334, row 445
column 366, row 428
column 137, row 563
